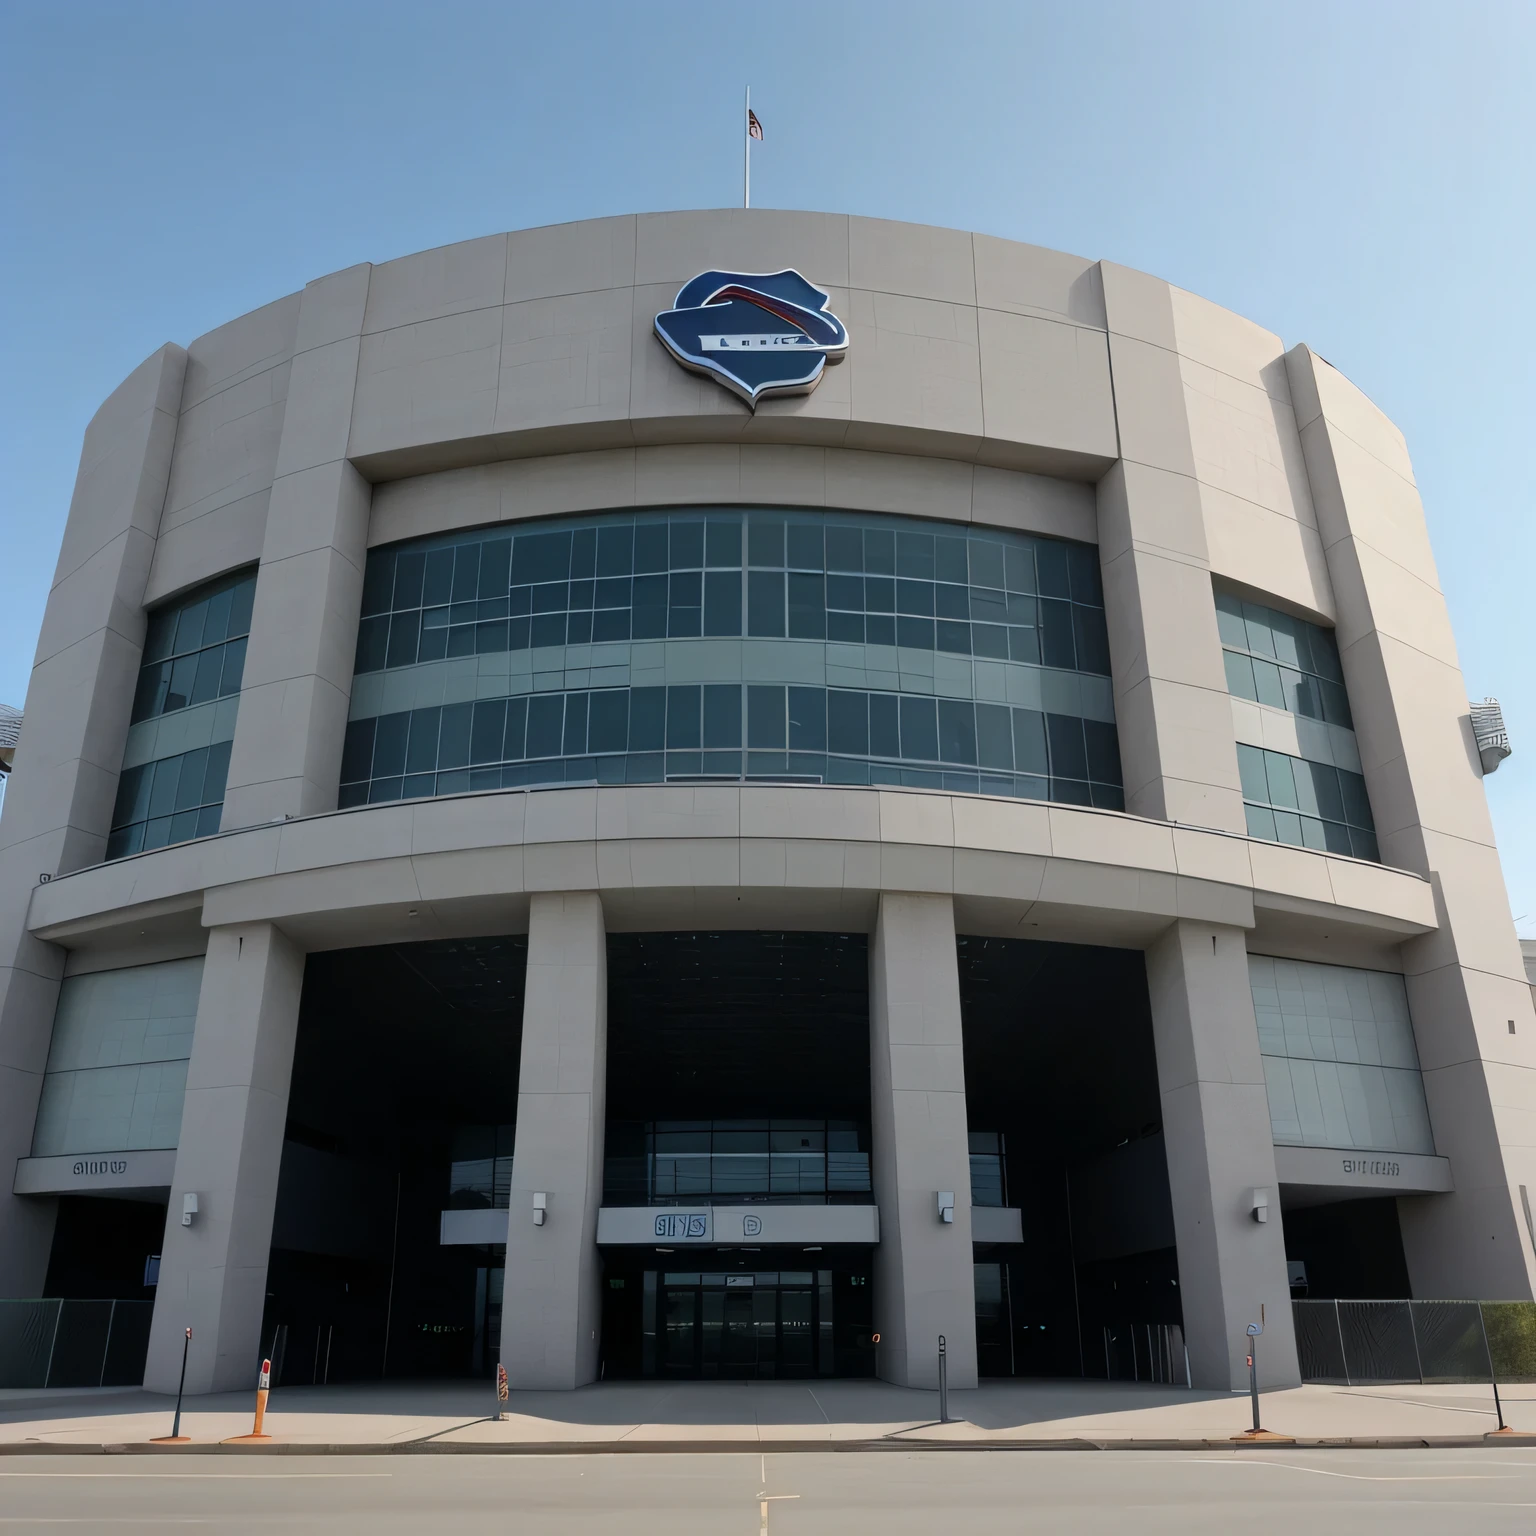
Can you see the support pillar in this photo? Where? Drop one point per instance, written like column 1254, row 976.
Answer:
column 924, row 1270
column 213, row 1274
column 1216, row 1129
column 551, row 1307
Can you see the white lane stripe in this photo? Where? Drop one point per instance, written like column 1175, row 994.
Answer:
column 1358, row 1477
column 216, row 1476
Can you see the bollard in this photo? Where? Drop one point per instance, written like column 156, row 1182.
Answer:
column 176, row 1437
column 1493, row 1376
column 502, row 1394
column 263, row 1383
column 1249, row 1436
column 943, row 1382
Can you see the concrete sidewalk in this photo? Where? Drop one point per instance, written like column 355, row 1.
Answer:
column 696, row 1416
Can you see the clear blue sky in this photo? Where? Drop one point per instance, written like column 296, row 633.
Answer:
column 1354, row 174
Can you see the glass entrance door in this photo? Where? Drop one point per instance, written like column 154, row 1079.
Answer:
column 743, row 1327
column 680, row 1330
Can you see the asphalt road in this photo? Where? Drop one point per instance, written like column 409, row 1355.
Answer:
column 958, row 1493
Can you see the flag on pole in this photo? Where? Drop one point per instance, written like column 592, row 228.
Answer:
column 754, row 128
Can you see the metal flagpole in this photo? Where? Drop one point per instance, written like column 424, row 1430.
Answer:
column 746, row 154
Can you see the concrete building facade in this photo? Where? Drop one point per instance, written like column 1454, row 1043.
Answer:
column 628, row 883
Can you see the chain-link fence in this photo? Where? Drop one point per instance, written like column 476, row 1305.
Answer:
column 54, row 1343
column 1350, row 1342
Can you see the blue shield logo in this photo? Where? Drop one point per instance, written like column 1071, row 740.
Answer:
column 757, row 333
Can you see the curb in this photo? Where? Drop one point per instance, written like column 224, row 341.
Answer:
column 747, row 1447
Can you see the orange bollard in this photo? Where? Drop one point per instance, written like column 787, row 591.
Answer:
column 263, row 1382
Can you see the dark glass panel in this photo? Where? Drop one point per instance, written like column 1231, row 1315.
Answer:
column 612, row 592
column 647, row 719
column 1092, row 639
column 765, row 540
column 379, row 581
column 847, row 722
column 546, row 721
column 765, row 603
column 389, row 744
column 1256, row 621
column 242, row 599
column 915, row 597
column 404, row 638
column 1282, row 781
column 651, row 547
column 1357, row 806
column 150, row 693
column 583, row 554
column 610, row 624
column 1029, row 754
column 884, row 731
column 957, row 731
column 583, row 594
column 157, row 833
column 879, row 594
column 1250, row 769
column 1335, row 704
column 1024, row 645
column 722, row 602
column 1071, row 791
column 178, row 693
column 722, row 542
column 1069, row 756
column 539, row 557
column 615, row 550
column 987, row 605
column 517, row 730
column 410, row 568
column 722, row 715
column 1083, row 572
column 183, row 826
column 233, row 670
column 916, row 634
column 218, row 772
column 608, row 720
column 189, row 626
column 990, row 640
column 683, row 704
column 1057, row 649
column 1266, row 678
column 919, row 729
column 808, row 719
column 1325, row 785
column 575, row 742
column 382, row 790
column 352, row 794
column 1021, row 568
column 1229, row 621
column 189, row 787
column 453, row 741
column 949, row 559
column 880, row 551
column 357, row 752
column 1364, row 844
column 687, row 541
column 210, row 664
column 495, row 568
column 986, row 562
column 807, row 607
column 216, row 627
column 133, row 795
column 765, row 716
column 579, row 629
column 994, row 736
column 1306, row 797
column 488, row 729
column 208, row 820
column 914, row 555
column 845, row 548
column 162, row 793
column 421, row 754
column 461, row 641
column 160, row 635
column 806, row 551
column 1240, row 675
column 847, row 628
column 879, row 629
column 437, row 584
column 1051, row 561
column 846, row 592
column 955, row 637
column 650, row 606
column 1103, row 742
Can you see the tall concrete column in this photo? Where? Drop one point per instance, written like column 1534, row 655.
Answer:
column 1216, row 1129
column 58, row 804
column 551, row 1308
column 1171, row 702
column 1471, row 1005
column 924, row 1272
column 286, row 756
column 213, row 1274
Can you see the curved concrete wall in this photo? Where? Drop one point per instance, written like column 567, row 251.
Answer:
column 987, row 382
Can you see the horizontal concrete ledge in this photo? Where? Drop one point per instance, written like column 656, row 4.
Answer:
column 902, row 1441
column 732, row 856
column 703, row 1226
column 146, row 1173
column 774, row 422
column 1332, row 1173
column 997, row 1224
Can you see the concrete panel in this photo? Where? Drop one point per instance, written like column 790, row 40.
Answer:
column 923, row 1279
column 918, row 260
column 1030, row 280
column 451, row 280
column 1216, row 1126
column 914, row 363
column 549, row 1332
column 212, row 545
column 426, row 383
column 1047, row 383
column 670, row 248
column 239, row 350
column 564, row 360
column 213, row 1273
column 570, row 258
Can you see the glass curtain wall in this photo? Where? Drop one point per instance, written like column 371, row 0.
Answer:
column 177, row 754
column 733, row 644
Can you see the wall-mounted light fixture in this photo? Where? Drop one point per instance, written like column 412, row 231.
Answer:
column 1259, row 1204
column 946, row 1203
column 188, row 1209
column 540, row 1206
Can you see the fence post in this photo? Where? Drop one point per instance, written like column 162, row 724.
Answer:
column 53, row 1343
column 1343, row 1353
column 1493, row 1378
column 943, row 1382
column 106, row 1348
column 1413, row 1329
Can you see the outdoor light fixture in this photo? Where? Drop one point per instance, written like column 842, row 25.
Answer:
column 188, row 1209
column 1260, row 1205
column 946, row 1199
column 540, row 1205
